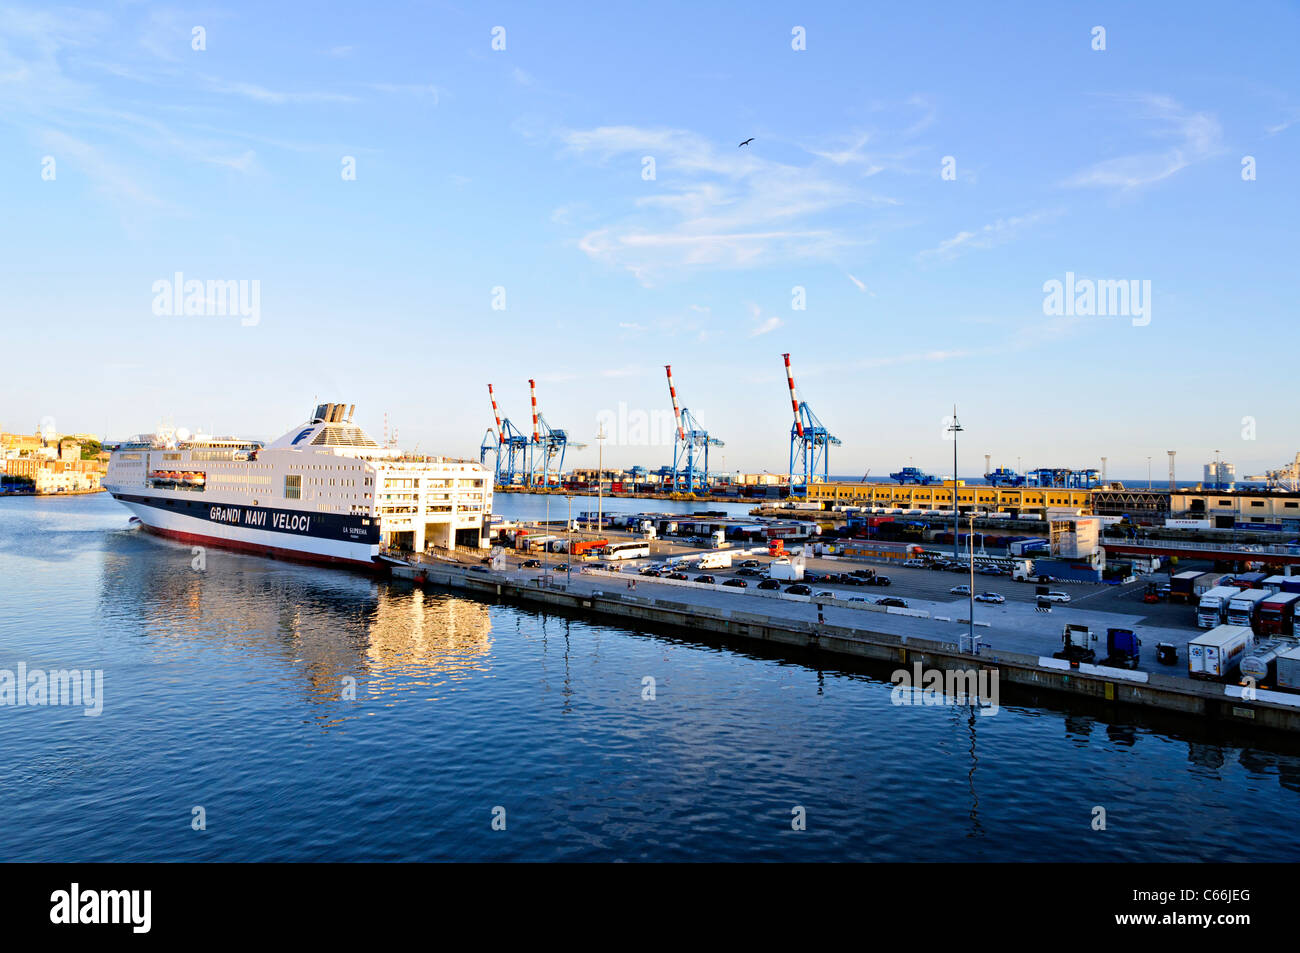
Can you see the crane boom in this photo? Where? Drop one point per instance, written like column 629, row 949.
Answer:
column 794, row 400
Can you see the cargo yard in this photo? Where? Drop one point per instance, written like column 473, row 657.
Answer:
column 532, row 459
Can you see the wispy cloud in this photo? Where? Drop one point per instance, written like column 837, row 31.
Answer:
column 276, row 97
column 995, row 233
column 1194, row 136
column 718, row 208
column 420, row 90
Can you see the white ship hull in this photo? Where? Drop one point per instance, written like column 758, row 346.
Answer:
column 203, row 531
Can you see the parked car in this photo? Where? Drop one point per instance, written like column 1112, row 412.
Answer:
column 680, row 576
column 859, row 599
column 798, row 589
column 914, row 561
column 812, row 577
column 748, row 571
column 992, row 571
column 960, row 590
column 864, row 572
column 650, row 571
column 891, row 601
column 825, row 594
column 736, row 583
column 990, row 597
column 562, row 567
column 878, row 581
column 706, row 578
column 939, row 564
column 1055, row 596
column 750, row 564
column 531, row 564
column 769, row 584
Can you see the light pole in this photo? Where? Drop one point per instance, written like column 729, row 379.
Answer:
column 600, row 478
column 568, row 533
column 954, row 428
column 1217, row 471
column 970, row 614
column 1148, row 471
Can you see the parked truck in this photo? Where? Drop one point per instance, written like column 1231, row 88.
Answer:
column 1182, row 587
column 1122, row 647
column 786, row 569
column 1218, row 652
column 1212, row 610
column 1249, row 580
column 1244, row 606
column 1078, row 644
column 1281, row 584
column 1258, row 662
column 1277, row 614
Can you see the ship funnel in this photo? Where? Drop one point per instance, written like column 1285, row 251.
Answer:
column 351, row 409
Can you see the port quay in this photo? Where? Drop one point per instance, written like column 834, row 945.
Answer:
column 888, row 634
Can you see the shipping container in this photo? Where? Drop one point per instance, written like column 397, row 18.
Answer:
column 1215, row 654
column 1208, row 581
column 1288, row 668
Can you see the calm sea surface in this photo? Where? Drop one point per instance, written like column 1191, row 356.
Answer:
column 222, row 691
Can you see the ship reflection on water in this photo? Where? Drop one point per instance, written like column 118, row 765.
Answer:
column 323, row 627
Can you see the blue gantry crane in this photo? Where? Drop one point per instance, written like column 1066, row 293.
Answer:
column 810, row 443
column 547, row 448
column 691, row 442
column 509, row 447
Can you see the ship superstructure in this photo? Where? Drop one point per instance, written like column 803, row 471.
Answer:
column 323, row 491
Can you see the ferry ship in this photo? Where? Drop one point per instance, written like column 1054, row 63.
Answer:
column 324, row 491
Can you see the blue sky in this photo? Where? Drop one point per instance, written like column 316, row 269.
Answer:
column 523, row 168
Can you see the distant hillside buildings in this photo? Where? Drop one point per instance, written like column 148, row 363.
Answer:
column 47, row 463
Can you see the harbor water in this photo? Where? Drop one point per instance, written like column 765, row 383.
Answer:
column 226, row 707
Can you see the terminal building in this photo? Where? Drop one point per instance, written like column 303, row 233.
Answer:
column 1015, row 501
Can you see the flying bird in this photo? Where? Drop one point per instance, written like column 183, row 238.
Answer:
column 746, row 142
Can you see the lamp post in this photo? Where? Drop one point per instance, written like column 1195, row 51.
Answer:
column 1148, row 471
column 954, row 428
column 600, row 478
column 970, row 614
column 568, row 533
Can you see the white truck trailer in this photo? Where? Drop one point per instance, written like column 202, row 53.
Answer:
column 1216, row 653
